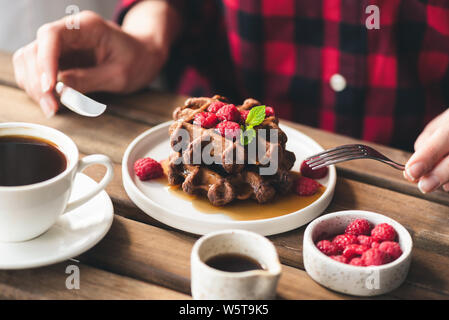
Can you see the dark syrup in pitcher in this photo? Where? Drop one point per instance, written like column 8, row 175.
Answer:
column 233, row 262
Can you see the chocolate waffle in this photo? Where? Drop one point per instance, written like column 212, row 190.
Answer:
column 234, row 173
column 232, row 155
column 222, row 188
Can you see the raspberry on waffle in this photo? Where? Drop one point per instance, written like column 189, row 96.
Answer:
column 234, row 174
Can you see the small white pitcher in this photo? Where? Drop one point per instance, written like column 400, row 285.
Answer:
column 212, row 284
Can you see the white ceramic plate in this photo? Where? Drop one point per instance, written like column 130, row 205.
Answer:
column 179, row 212
column 75, row 232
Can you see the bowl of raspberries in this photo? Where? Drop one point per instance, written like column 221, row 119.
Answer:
column 357, row 252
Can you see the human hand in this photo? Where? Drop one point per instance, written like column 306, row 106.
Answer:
column 429, row 165
column 99, row 56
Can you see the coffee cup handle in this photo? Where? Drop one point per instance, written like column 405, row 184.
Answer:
column 83, row 164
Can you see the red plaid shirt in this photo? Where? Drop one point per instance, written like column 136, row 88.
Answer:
column 285, row 53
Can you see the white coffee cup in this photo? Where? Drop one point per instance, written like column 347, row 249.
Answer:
column 28, row 211
column 213, row 284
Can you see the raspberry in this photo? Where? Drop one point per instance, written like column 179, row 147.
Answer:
column 147, row 169
column 342, row 240
column 306, row 186
column 229, row 129
column 269, row 112
column 229, row 112
column 375, row 257
column 358, row 227
column 356, row 262
column 341, row 259
column 244, row 115
column 393, row 249
column 375, row 244
column 365, row 240
column 327, row 247
column 353, row 250
column 314, row 174
column 205, row 119
column 383, row 232
column 215, row 106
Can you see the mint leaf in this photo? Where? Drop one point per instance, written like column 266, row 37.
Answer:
column 247, row 136
column 255, row 116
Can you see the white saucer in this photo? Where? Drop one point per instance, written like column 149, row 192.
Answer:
column 75, row 232
column 155, row 199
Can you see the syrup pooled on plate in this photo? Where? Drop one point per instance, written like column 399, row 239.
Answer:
column 245, row 210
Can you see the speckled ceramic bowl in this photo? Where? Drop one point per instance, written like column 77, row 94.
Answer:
column 349, row 279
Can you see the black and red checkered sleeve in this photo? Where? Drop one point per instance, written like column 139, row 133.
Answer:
column 318, row 63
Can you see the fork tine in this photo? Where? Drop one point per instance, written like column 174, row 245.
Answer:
column 344, row 154
column 335, row 161
column 333, row 150
column 330, row 153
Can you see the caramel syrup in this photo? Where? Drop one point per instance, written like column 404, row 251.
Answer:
column 245, row 210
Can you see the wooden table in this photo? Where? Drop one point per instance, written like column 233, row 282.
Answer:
column 140, row 258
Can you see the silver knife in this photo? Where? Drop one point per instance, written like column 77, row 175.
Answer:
column 78, row 102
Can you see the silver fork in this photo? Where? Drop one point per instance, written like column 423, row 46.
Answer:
column 348, row 152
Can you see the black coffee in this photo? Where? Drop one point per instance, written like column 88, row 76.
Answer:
column 233, row 262
column 26, row 160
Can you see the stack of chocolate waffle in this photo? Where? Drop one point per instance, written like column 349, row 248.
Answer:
column 230, row 170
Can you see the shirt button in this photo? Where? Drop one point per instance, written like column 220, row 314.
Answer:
column 338, row 82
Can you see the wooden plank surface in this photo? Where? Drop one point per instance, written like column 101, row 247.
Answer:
column 134, row 250
column 426, row 220
column 143, row 255
column 428, row 230
column 104, row 143
column 50, row 283
column 427, row 223
column 143, row 251
column 148, row 108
